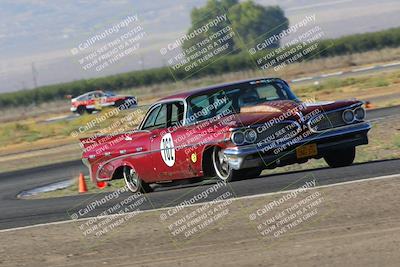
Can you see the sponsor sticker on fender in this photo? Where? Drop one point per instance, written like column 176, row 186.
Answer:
column 167, row 150
column 194, row 157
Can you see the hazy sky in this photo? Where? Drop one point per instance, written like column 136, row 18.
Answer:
column 36, row 36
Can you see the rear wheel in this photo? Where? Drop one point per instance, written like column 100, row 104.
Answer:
column 134, row 183
column 340, row 158
column 81, row 110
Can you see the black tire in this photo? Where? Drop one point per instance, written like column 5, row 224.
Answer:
column 222, row 169
column 132, row 102
column 119, row 103
column 341, row 158
column 81, row 110
column 196, row 180
column 134, row 183
column 251, row 172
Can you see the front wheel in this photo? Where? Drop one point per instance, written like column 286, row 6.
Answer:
column 134, row 183
column 119, row 103
column 222, row 168
column 341, row 157
column 252, row 172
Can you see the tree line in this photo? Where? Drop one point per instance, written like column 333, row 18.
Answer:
column 233, row 62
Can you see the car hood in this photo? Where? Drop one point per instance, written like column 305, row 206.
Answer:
column 284, row 110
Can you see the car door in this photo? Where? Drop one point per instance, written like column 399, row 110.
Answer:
column 98, row 100
column 162, row 148
column 90, row 101
column 103, row 98
column 166, row 139
column 182, row 139
column 144, row 164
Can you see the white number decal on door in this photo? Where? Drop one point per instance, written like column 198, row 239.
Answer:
column 167, row 150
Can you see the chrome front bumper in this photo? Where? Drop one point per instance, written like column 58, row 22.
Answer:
column 259, row 155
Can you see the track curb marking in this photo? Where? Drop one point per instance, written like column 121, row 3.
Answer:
column 339, row 73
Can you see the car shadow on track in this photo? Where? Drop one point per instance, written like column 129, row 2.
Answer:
column 187, row 183
column 322, row 168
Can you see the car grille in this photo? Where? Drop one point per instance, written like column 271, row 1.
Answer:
column 327, row 121
column 282, row 130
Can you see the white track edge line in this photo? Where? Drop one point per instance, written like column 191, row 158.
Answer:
column 302, row 79
column 331, row 74
column 391, row 64
column 364, row 69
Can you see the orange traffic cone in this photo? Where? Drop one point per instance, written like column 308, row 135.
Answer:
column 102, row 185
column 82, row 184
column 368, row 105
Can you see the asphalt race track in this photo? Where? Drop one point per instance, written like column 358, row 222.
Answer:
column 16, row 212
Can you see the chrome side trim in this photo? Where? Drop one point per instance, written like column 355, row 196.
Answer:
column 101, row 165
column 108, row 161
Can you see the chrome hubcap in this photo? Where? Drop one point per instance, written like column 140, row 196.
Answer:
column 221, row 165
column 131, row 180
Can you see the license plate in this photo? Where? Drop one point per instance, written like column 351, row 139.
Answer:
column 306, row 151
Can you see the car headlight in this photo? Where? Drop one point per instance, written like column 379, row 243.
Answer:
column 250, row 136
column 359, row 113
column 348, row 116
column 238, row 138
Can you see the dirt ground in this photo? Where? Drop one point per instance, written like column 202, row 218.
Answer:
column 355, row 224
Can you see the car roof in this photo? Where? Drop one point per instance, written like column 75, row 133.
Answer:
column 91, row 92
column 187, row 94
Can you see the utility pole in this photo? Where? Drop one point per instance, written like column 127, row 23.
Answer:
column 141, row 61
column 34, row 75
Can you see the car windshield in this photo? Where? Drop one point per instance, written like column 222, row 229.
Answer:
column 232, row 99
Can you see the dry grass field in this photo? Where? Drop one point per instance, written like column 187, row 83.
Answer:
column 24, row 132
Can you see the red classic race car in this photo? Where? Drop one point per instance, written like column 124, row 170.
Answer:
column 96, row 100
column 230, row 131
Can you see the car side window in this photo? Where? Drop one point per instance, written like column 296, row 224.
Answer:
column 98, row 94
column 151, row 118
column 168, row 114
column 161, row 120
column 176, row 118
column 83, row 98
